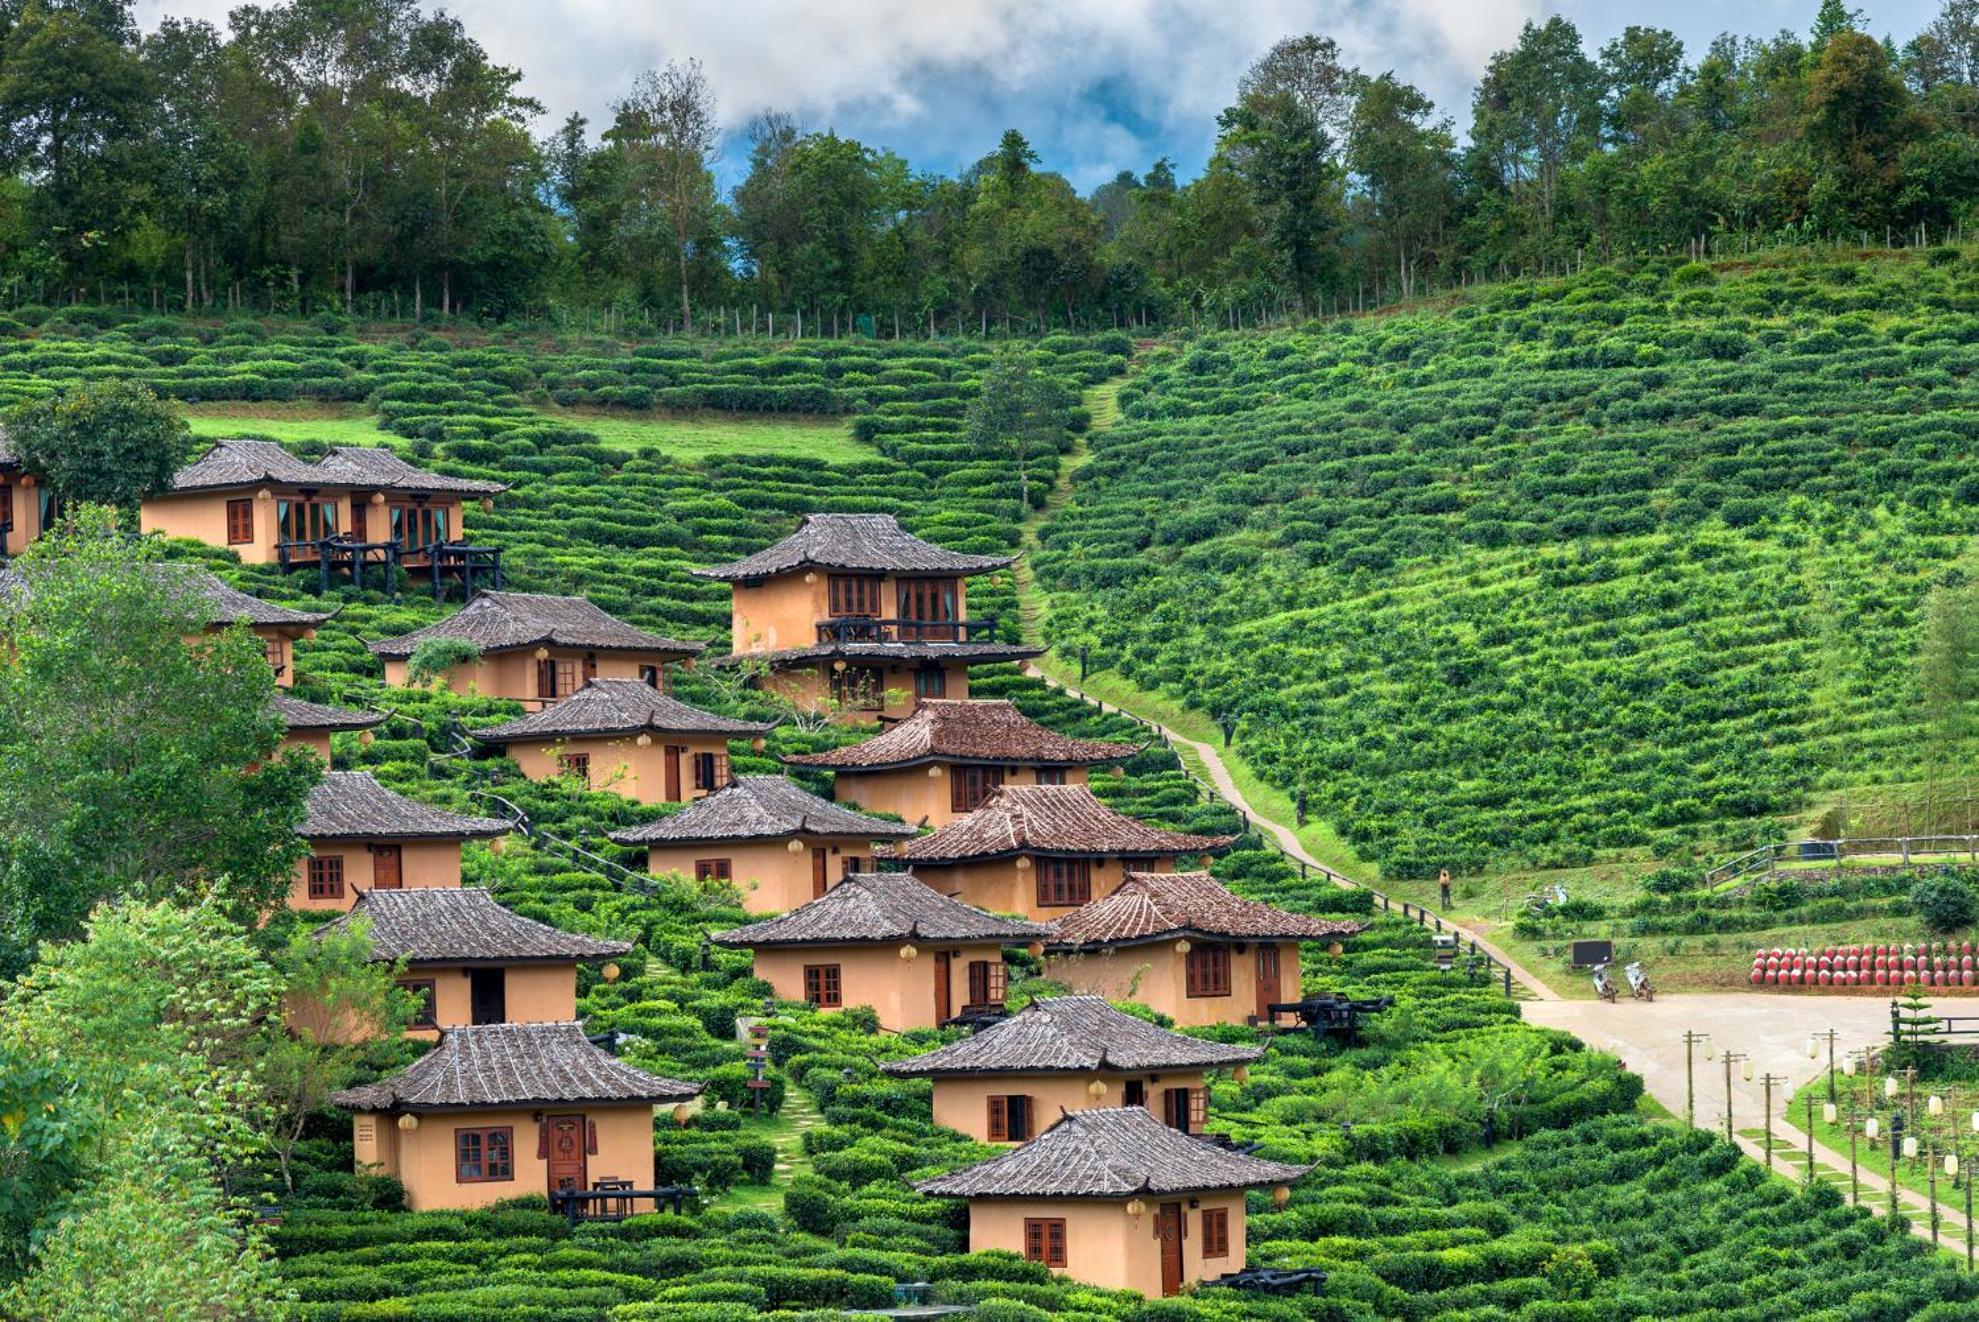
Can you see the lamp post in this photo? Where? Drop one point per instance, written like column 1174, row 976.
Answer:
column 1730, row 1058
column 1854, row 1179
column 1810, row 1134
column 1896, row 1150
column 1691, row 1041
column 1767, row 1081
column 1814, row 1050
column 1084, row 649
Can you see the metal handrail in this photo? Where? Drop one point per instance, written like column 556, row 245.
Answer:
column 876, row 629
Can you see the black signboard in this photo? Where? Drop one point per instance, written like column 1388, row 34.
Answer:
column 1589, row 953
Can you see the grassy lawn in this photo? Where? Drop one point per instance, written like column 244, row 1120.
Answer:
column 688, row 437
column 698, row 436
column 786, row 1131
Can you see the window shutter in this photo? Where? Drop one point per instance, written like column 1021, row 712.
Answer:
column 999, row 1119
column 591, row 1137
column 543, row 1141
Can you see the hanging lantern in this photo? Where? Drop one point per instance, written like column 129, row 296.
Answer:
column 1745, row 1071
column 1871, row 1128
column 1182, row 947
column 1336, row 950
column 1848, row 1066
column 795, row 846
column 542, row 654
column 1035, row 950
column 1096, row 1089
column 680, row 1115
column 1890, row 1085
column 264, row 494
column 1281, row 1196
column 1936, row 1105
column 1135, row 1207
column 644, row 740
column 810, row 576
column 27, row 481
column 609, row 973
column 934, row 772
column 1813, row 1049
column 757, row 744
column 487, row 504
column 1910, row 1145
column 908, row 951
column 408, row 1123
column 495, row 846
column 1951, row 1164
column 839, row 666
column 1242, row 1074
column 377, row 498
column 1828, row 1113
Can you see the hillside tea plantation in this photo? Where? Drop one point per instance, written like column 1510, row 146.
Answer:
column 1604, row 566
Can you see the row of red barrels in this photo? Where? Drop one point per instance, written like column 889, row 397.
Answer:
column 1927, row 964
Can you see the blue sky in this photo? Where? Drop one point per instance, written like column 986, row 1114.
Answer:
column 1097, row 85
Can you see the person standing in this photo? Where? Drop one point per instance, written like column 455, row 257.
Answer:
column 1443, row 887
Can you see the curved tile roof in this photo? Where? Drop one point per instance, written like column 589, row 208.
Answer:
column 506, row 621
column 869, row 543
column 1151, row 906
column 299, row 715
column 351, row 805
column 873, row 907
column 219, row 602
column 243, row 463
column 613, row 707
column 1071, row 1034
column 760, row 808
column 513, row 1065
column 1111, row 1152
column 956, row 730
column 1050, row 819
column 441, row 924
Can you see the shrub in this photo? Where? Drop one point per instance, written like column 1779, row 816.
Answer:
column 1945, row 904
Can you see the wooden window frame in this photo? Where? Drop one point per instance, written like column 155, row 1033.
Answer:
column 1044, row 1240
column 710, row 770
column 1051, row 775
column 824, row 986
column 575, row 764
column 481, row 1136
column 1198, row 1110
column 306, row 516
column 968, row 786
column 428, row 990
column 240, row 521
column 855, row 596
column 325, row 876
column 931, row 682
column 860, row 688
column 989, row 981
column 930, row 601
column 1011, row 1118
column 1216, row 1232
column 1064, row 883
column 714, row 869
column 1207, row 970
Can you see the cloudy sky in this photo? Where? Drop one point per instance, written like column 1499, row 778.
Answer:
column 1097, row 85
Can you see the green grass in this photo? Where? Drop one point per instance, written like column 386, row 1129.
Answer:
column 690, row 437
column 700, row 436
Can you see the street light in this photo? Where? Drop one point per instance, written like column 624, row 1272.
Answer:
column 1814, row 1051
column 1731, row 1058
column 1692, row 1040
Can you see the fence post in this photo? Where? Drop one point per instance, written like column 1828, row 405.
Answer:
column 1508, row 980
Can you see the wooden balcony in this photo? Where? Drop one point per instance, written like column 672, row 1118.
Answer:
column 474, row 567
column 862, row 629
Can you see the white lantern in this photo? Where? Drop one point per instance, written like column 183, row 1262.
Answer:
column 1848, row 1066
column 1890, row 1085
column 795, row 846
column 1745, row 1071
column 1975, row 1122
column 1871, row 1128
column 1828, row 1113
column 908, row 951
column 1951, row 1164
column 408, row 1123
column 1813, row 1049
column 1936, row 1105
column 1910, row 1145
column 644, row 740
column 934, row 772
column 1182, row 947
column 1710, row 1048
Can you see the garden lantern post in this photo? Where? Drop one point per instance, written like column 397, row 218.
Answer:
column 1730, row 1057
column 1691, row 1041
column 1767, row 1081
column 1810, row 1132
column 1813, row 1043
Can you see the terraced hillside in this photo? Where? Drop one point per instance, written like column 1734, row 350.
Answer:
column 1592, row 568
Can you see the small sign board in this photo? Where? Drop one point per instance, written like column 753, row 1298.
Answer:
column 1587, row 954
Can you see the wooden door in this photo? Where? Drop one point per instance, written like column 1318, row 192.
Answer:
column 820, row 861
column 673, row 755
column 1175, row 1108
column 1267, row 980
column 387, row 867
column 944, row 1009
column 487, row 996
column 359, row 521
column 1168, row 1229
column 566, row 1152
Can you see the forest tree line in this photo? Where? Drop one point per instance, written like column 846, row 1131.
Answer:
column 368, row 157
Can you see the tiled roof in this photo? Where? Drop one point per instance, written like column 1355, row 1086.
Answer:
column 218, row 603
column 506, row 621
column 1114, row 1152
column 443, row 924
column 1150, row 906
column 1050, row 819
column 871, row 543
column 866, row 651
column 614, row 707
column 760, row 808
column 299, row 715
column 350, row 805
column 513, row 1065
column 870, row 907
column 952, row 730
column 250, row 463
column 1072, row 1033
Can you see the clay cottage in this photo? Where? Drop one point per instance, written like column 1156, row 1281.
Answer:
column 364, row 837
column 509, row 1109
column 942, row 762
column 780, row 844
column 473, row 962
column 537, row 649
column 1007, row 1081
column 310, row 724
column 853, row 614
column 1116, row 1199
column 1180, row 944
column 626, row 736
column 1044, row 850
column 883, row 939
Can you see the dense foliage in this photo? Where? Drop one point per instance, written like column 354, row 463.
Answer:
column 368, row 156
column 1595, row 565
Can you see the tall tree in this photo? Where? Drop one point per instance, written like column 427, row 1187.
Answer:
column 1537, row 109
column 101, row 442
column 1276, row 145
column 1402, row 162
column 667, row 128
column 1308, row 69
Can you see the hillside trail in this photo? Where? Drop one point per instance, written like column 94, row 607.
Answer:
column 1774, row 1030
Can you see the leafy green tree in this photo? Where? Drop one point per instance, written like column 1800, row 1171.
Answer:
column 1537, row 109
column 666, row 128
column 436, row 656
column 138, row 755
column 1274, row 144
column 1858, row 121
column 101, row 442
column 1945, row 904
column 1017, row 412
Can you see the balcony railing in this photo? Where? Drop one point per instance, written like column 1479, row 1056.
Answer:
column 866, row 630
column 346, row 554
